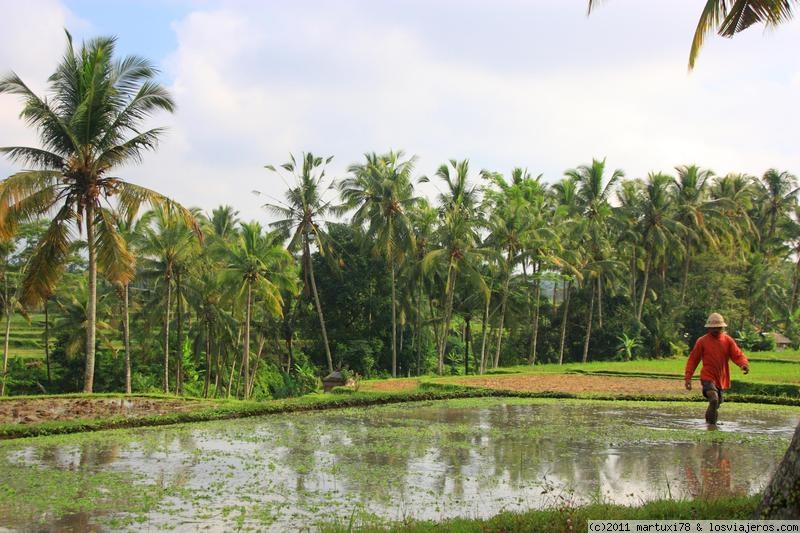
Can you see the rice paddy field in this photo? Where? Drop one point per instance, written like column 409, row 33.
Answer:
column 620, row 434
column 384, row 465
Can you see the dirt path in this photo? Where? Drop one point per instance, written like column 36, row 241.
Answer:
column 31, row 411
column 555, row 383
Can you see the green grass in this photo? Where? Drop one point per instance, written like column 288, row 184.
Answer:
column 765, row 367
column 571, row 519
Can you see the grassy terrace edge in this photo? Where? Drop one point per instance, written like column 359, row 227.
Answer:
column 230, row 409
column 571, row 519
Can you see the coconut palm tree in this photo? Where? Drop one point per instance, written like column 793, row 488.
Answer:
column 261, row 268
column 778, row 195
column 301, row 218
column 458, row 239
column 693, row 208
column 88, row 126
column 166, row 245
column 382, row 193
column 658, row 226
column 593, row 194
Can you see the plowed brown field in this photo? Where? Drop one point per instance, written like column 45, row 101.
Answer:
column 555, row 383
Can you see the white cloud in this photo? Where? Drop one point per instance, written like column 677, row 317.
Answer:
column 528, row 85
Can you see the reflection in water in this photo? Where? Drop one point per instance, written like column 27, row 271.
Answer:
column 713, row 478
column 427, row 461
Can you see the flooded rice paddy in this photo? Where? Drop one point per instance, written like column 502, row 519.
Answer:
column 471, row 458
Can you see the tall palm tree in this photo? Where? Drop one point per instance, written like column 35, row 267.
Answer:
column 130, row 230
column 301, row 218
column 593, row 195
column 423, row 218
column 382, row 193
column 166, row 245
column 458, row 239
column 779, row 196
column 88, row 126
column 729, row 17
column 658, row 226
column 693, row 209
column 261, row 267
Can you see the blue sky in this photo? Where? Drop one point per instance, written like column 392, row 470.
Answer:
column 531, row 83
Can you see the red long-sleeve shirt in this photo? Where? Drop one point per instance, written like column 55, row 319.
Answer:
column 715, row 352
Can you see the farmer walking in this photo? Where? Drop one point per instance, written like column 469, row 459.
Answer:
column 714, row 349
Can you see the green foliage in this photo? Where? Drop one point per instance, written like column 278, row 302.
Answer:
column 359, row 355
column 306, row 379
column 751, row 340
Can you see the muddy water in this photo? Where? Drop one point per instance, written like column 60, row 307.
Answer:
column 459, row 458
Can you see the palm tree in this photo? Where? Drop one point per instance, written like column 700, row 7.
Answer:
column 423, row 219
column 729, row 17
column 458, row 239
column 693, row 209
column 381, row 192
column 593, row 194
column 262, row 268
column 511, row 227
column 301, row 217
column 660, row 230
column 130, row 231
column 166, row 245
column 779, row 196
column 88, row 126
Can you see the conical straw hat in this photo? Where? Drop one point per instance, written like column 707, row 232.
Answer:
column 715, row 320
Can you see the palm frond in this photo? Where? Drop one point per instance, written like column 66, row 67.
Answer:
column 47, row 264
column 23, row 196
column 745, row 13
column 33, row 156
column 115, row 260
column 131, row 197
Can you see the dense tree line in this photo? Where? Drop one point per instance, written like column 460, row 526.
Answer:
column 361, row 271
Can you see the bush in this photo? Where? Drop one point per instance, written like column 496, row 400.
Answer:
column 751, row 340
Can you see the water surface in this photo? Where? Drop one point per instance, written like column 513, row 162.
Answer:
column 433, row 460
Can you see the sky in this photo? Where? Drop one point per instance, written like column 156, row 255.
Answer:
column 505, row 83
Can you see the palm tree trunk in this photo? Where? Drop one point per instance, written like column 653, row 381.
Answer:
column 534, row 340
column 7, row 313
column 564, row 323
column 589, row 326
column 685, row 280
column 449, row 289
column 246, row 343
column 555, row 297
column 485, row 332
column 207, row 381
column 126, row 337
column 419, row 330
column 600, row 301
column 310, row 265
column 261, row 342
column 91, row 305
column 503, row 303
column 781, row 499
column 218, row 372
column 5, row 351
column 644, row 287
column 795, row 282
column 179, row 317
column 166, row 335
column 47, row 338
column 467, row 338
column 394, row 324
column 633, row 276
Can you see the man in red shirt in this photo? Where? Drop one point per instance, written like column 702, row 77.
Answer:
column 714, row 348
